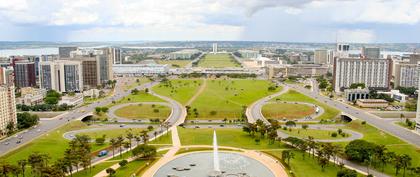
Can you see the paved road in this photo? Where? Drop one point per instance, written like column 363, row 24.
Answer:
column 46, row 126
column 253, row 112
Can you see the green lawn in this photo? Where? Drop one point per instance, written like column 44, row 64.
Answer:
column 225, row 137
column 112, row 133
column 174, row 63
column 307, row 166
column 179, row 89
column 218, row 61
column 293, row 95
column 139, row 97
column 51, row 143
column 317, row 134
column 394, row 144
column 164, row 139
column 133, row 82
column 131, row 168
column 227, row 98
column 95, row 169
column 144, row 111
column 286, row 110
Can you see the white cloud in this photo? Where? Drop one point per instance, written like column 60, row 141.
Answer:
column 199, row 32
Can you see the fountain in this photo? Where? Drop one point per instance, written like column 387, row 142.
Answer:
column 216, row 166
column 199, row 165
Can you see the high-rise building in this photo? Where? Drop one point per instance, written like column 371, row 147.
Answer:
column 64, row 52
column 24, row 73
column 115, row 55
column 61, row 75
column 406, row 75
column 96, row 65
column 374, row 73
column 371, row 52
column 321, row 56
column 214, row 48
column 342, row 50
column 7, row 101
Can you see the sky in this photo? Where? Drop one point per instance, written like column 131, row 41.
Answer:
column 361, row 21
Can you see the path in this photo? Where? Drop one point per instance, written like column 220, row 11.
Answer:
column 200, row 90
column 111, row 112
column 253, row 112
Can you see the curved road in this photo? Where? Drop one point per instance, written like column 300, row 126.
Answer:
column 382, row 124
column 177, row 117
column 253, row 112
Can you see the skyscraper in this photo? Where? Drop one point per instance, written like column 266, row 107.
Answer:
column 24, row 73
column 115, row 55
column 374, row 73
column 7, row 101
column 61, row 75
column 214, row 48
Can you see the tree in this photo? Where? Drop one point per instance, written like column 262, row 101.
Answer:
column 346, row 173
column 405, row 161
column 22, row 164
column 26, row 120
column 100, row 140
column 286, row 155
column 144, row 151
column 134, row 91
column 356, row 85
column 291, row 123
column 305, row 126
column 129, row 137
column 98, row 110
column 111, row 172
column 120, row 141
column 114, row 144
column 359, row 150
column 104, row 109
column 123, row 163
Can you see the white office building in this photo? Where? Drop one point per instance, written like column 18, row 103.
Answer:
column 374, row 73
column 214, row 48
column 321, row 57
column 139, row 69
column 406, row 75
column 61, row 75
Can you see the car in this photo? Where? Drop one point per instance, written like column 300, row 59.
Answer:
column 6, row 143
column 121, row 125
column 102, row 153
column 18, row 142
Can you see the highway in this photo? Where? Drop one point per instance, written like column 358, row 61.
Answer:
column 382, row 124
column 45, row 126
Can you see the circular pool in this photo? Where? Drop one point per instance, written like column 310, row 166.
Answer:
column 200, row 164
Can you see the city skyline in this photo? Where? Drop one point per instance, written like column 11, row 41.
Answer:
column 374, row 21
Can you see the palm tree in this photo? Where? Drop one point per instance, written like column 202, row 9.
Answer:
column 405, row 162
column 22, row 164
column 144, row 136
column 129, row 136
column 113, row 142
column 287, row 155
column 120, row 140
column 138, row 139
